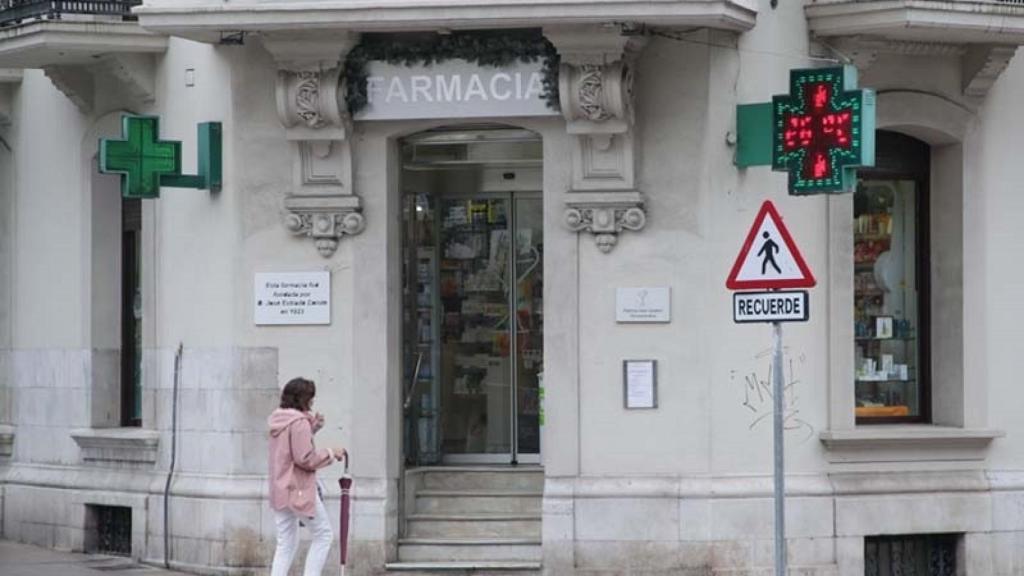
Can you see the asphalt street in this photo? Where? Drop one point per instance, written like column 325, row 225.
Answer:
column 22, row 560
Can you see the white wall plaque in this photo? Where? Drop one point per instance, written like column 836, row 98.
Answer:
column 643, row 305
column 292, row 298
column 453, row 89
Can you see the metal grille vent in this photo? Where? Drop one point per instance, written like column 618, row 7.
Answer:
column 109, row 530
column 913, row 555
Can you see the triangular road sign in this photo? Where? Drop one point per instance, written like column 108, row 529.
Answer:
column 769, row 258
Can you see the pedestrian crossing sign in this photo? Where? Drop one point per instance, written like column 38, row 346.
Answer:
column 769, row 259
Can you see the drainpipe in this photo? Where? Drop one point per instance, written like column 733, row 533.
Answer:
column 174, row 454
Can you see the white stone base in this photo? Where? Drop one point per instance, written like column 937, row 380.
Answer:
column 725, row 526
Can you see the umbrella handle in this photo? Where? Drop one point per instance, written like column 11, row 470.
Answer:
column 347, row 457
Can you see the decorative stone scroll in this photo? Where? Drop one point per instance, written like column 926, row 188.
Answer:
column 596, row 97
column 324, row 225
column 311, row 107
column 309, row 104
column 597, row 94
column 605, row 215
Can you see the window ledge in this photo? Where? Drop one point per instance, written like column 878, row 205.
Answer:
column 6, row 440
column 907, row 442
column 120, row 445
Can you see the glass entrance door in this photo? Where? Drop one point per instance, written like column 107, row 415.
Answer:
column 528, row 349
column 476, row 338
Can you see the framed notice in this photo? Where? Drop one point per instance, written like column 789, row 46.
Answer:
column 640, row 382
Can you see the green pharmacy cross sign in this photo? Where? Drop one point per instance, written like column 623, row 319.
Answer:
column 820, row 132
column 146, row 163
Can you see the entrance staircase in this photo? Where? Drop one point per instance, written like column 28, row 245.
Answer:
column 472, row 521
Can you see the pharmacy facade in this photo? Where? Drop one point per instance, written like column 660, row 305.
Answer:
column 473, row 225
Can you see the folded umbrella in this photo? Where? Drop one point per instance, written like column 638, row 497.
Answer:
column 346, row 502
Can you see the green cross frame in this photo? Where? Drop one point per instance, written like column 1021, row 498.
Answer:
column 146, row 163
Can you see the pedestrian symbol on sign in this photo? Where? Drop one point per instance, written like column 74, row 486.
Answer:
column 768, row 249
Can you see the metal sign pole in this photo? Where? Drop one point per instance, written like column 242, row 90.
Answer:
column 780, row 479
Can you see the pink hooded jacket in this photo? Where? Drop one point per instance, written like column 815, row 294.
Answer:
column 294, row 461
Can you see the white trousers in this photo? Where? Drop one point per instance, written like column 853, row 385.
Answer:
column 288, row 541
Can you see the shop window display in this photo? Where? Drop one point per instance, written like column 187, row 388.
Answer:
column 887, row 295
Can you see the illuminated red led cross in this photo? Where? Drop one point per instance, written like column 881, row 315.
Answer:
column 820, row 130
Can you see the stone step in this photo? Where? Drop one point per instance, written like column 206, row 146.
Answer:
column 478, row 502
column 474, row 525
column 469, row 549
column 465, row 568
column 507, row 478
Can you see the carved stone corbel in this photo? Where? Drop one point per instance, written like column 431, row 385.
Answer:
column 134, row 75
column 77, row 83
column 311, row 107
column 596, row 97
column 982, row 66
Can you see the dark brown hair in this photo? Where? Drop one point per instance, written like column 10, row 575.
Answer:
column 298, row 394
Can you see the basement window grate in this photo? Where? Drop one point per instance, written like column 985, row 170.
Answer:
column 109, row 530
column 911, row 555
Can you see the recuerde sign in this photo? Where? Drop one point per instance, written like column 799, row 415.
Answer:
column 791, row 306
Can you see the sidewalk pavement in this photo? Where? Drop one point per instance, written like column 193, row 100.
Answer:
column 23, row 560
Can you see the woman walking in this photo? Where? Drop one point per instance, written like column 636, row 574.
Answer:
column 294, row 489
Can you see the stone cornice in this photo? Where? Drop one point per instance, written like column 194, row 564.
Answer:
column 204, row 20
column 981, row 64
column 73, row 51
column 69, row 42
column 965, row 21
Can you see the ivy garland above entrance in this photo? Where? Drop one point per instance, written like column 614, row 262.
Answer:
column 491, row 48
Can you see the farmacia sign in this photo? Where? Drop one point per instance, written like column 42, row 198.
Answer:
column 453, row 89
